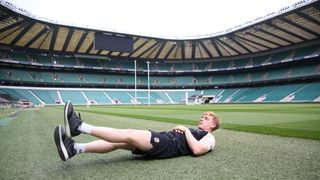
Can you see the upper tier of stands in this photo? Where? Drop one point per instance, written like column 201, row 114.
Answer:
column 169, row 66
column 210, row 78
column 60, row 77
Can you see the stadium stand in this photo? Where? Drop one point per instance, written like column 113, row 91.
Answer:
column 30, row 76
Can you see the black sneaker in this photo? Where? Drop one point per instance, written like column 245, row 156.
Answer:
column 71, row 120
column 64, row 144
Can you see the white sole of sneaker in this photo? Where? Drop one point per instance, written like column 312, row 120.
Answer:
column 59, row 143
column 66, row 122
column 63, row 148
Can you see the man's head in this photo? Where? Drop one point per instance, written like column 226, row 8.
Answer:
column 209, row 121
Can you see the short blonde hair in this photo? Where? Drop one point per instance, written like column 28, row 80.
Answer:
column 216, row 119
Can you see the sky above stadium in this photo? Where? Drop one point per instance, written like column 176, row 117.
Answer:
column 162, row 18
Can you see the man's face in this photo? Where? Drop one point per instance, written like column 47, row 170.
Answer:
column 206, row 122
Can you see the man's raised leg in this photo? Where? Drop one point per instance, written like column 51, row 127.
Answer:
column 102, row 146
column 139, row 139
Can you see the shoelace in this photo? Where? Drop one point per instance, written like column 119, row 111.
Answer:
column 75, row 116
column 75, row 123
column 69, row 143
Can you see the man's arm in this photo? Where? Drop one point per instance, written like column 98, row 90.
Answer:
column 196, row 146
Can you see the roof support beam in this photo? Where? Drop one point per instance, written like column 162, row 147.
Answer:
column 193, row 52
column 137, row 49
column 254, row 42
column 44, row 30
column 286, row 31
column 66, row 43
column 213, row 42
column 239, row 44
column 152, row 50
column 19, row 36
column 54, row 37
column 19, row 23
column 315, row 21
column 222, row 42
column 219, row 42
column 83, row 37
column 263, row 39
column 274, row 35
column 242, row 40
column 298, row 26
column 99, row 51
column 182, row 46
column 89, row 48
column 44, row 39
column 170, row 51
column 163, row 43
column 198, row 46
column 148, row 49
column 205, row 49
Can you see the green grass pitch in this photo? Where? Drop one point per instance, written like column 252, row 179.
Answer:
column 274, row 141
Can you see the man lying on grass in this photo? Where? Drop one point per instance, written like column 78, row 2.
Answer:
column 179, row 141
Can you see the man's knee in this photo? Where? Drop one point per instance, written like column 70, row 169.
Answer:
column 130, row 135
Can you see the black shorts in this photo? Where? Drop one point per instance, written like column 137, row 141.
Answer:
column 162, row 147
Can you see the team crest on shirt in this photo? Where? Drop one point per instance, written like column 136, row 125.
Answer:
column 156, row 139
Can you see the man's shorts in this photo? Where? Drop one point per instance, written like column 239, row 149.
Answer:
column 162, row 147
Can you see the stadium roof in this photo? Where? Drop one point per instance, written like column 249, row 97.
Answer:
column 293, row 25
column 171, row 19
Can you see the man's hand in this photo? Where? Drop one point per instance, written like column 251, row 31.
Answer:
column 196, row 147
column 180, row 129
